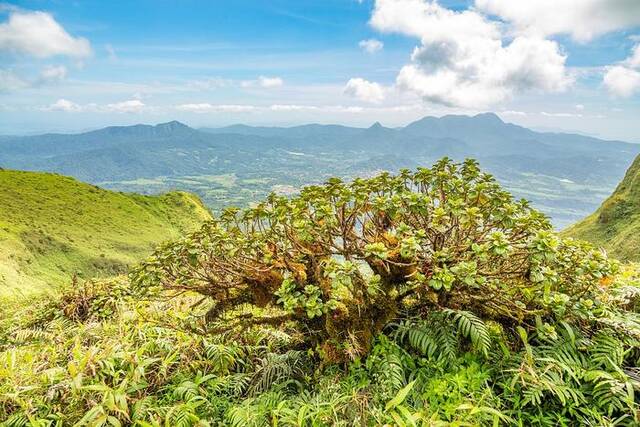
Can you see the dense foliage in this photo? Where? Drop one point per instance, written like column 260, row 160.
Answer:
column 344, row 260
column 99, row 356
column 428, row 298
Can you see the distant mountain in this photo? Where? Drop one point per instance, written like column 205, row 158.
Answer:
column 52, row 227
column 615, row 226
column 565, row 175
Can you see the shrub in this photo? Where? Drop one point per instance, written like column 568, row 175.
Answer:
column 342, row 260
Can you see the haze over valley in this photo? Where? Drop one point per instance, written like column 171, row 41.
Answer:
column 566, row 176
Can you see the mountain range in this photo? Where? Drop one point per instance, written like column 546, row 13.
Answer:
column 564, row 175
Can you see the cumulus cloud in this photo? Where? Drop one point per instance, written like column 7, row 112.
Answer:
column 582, row 19
column 623, row 79
column 364, row 90
column 462, row 60
column 371, row 45
column 130, row 106
column 39, row 34
column 212, row 108
column 64, row 105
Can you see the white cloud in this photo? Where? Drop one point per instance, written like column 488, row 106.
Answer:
column 561, row 115
column 38, row 34
column 263, row 82
column 623, row 80
column 463, row 61
column 512, row 113
column 634, row 60
column 292, row 107
column 269, row 82
column 53, row 73
column 211, row 108
column 580, row 107
column 64, row 105
column 364, row 90
column 10, row 81
column 371, row 45
column 582, row 19
column 130, row 106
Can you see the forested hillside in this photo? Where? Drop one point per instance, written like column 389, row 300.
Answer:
column 53, row 227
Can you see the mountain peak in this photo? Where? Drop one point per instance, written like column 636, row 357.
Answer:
column 488, row 117
column 376, row 125
column 173, row 125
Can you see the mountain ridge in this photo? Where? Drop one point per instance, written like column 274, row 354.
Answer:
column 53, row 227
column 615, row 225
column 565, row 175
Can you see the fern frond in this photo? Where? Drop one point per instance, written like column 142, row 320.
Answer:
column 472, row 327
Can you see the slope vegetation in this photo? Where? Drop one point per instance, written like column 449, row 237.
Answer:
column 428, row 298
column 615, row 226
column 52, row 227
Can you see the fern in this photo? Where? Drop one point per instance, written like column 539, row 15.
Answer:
column 471, row 327
column 275, row 369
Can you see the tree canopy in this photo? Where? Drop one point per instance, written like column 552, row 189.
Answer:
column 340, row 261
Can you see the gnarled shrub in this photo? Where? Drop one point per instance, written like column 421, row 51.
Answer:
column 342, row 260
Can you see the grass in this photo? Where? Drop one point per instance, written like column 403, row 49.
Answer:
column 52, row 227
column 615, row 226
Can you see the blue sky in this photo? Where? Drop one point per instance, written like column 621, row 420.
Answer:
column 76, row 65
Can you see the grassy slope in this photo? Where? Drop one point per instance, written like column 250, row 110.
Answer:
column 615, row 226
column 53, row 226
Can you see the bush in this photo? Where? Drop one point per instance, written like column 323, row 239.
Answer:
column 341, row 261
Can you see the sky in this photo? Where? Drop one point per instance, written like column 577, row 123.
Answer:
column 554, row 65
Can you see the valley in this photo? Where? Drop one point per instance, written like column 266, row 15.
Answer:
column 565, row 176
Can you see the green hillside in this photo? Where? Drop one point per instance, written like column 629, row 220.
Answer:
column 615, row 226
column 52, row 227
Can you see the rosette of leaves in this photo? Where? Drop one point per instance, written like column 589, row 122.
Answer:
column 341, row 260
